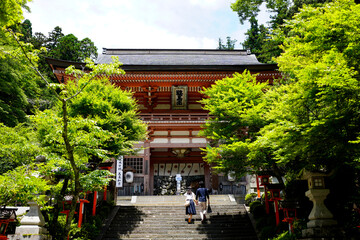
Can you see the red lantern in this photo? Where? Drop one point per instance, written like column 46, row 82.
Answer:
column 264, row 180
column 289, row 209
column 66, row 207
column 275, row 194
column 275, row 197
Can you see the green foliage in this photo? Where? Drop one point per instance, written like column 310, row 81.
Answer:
column 229, row 45
column 11, row 11
column 235, row 105
column 92, row 121
column 264, row 47
column 316, row 118
column 70, row 48
column 250, row 197
column 257, row 37
column 20, row 186
column 13, row 102
column 96, row 180
column 18, row 146
column 284, row 236
column 257, row 209
column 21, row 92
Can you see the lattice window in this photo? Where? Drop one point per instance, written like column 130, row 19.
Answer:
column 136, row 163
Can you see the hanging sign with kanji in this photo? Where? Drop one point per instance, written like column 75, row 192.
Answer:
column 119, row 171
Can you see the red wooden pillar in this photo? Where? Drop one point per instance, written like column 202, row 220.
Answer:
column 277, row 212
column 94, row 203
column 275, row 196
column 81, row 211
column 264, row 182
column 105, row 188
column 105, row 193
column 258, row 187
column 266, row 201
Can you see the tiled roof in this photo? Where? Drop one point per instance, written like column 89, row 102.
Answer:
column 164, row 57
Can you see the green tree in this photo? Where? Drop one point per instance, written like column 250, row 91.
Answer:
column 26, row 31
column 320, row 59
column 314, row 121
column 280, row 11
column 234, row 105
column 229, row 45
column 71, row 48
column 53, row 38
column 92, row 121
column 11, row 12
column 257, row 37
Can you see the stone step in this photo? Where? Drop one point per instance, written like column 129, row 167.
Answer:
column 228, row 221
column 197, row 237
column 178, row 233
column 156, row 219
column 181, row 236
column 177, row 200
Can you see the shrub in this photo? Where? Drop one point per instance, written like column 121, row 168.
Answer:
column 284, row 236
column 250, row 197
column 257, row 209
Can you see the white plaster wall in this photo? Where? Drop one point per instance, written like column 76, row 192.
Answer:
column 180, row 140
column 180, row 133
column 195, row 133
column 140, row 152
column 160, row 133
column 160, row 140
column 199, row 140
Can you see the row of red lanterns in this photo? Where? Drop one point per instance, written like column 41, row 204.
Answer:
column 289, row 210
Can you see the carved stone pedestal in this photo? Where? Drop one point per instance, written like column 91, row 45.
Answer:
column 319, row 216
column 32, row 226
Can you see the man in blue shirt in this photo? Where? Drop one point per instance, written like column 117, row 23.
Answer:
column 202, row 194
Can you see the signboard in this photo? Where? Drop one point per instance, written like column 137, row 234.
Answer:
column 179, row 97
column 178, row 180
column 178, row 177
column 119, row 171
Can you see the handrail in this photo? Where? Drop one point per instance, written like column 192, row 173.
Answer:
column 174, row 116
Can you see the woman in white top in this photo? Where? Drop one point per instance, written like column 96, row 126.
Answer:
column 189, row 204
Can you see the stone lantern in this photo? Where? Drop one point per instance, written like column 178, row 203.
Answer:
column 32, row 225
column 321, row 222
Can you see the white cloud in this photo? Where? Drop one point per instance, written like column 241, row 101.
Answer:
column 140, row 23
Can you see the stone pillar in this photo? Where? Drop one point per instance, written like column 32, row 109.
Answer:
column 32, row 225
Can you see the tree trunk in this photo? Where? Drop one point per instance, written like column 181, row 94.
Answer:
column 76, row 179
column 278, row 174
column 57, row 207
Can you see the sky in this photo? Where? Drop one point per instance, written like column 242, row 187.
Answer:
column 141, row 24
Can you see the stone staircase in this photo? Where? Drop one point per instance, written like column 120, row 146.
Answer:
column 164, row 218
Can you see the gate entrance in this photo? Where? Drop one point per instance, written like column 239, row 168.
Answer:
column 165, row 173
